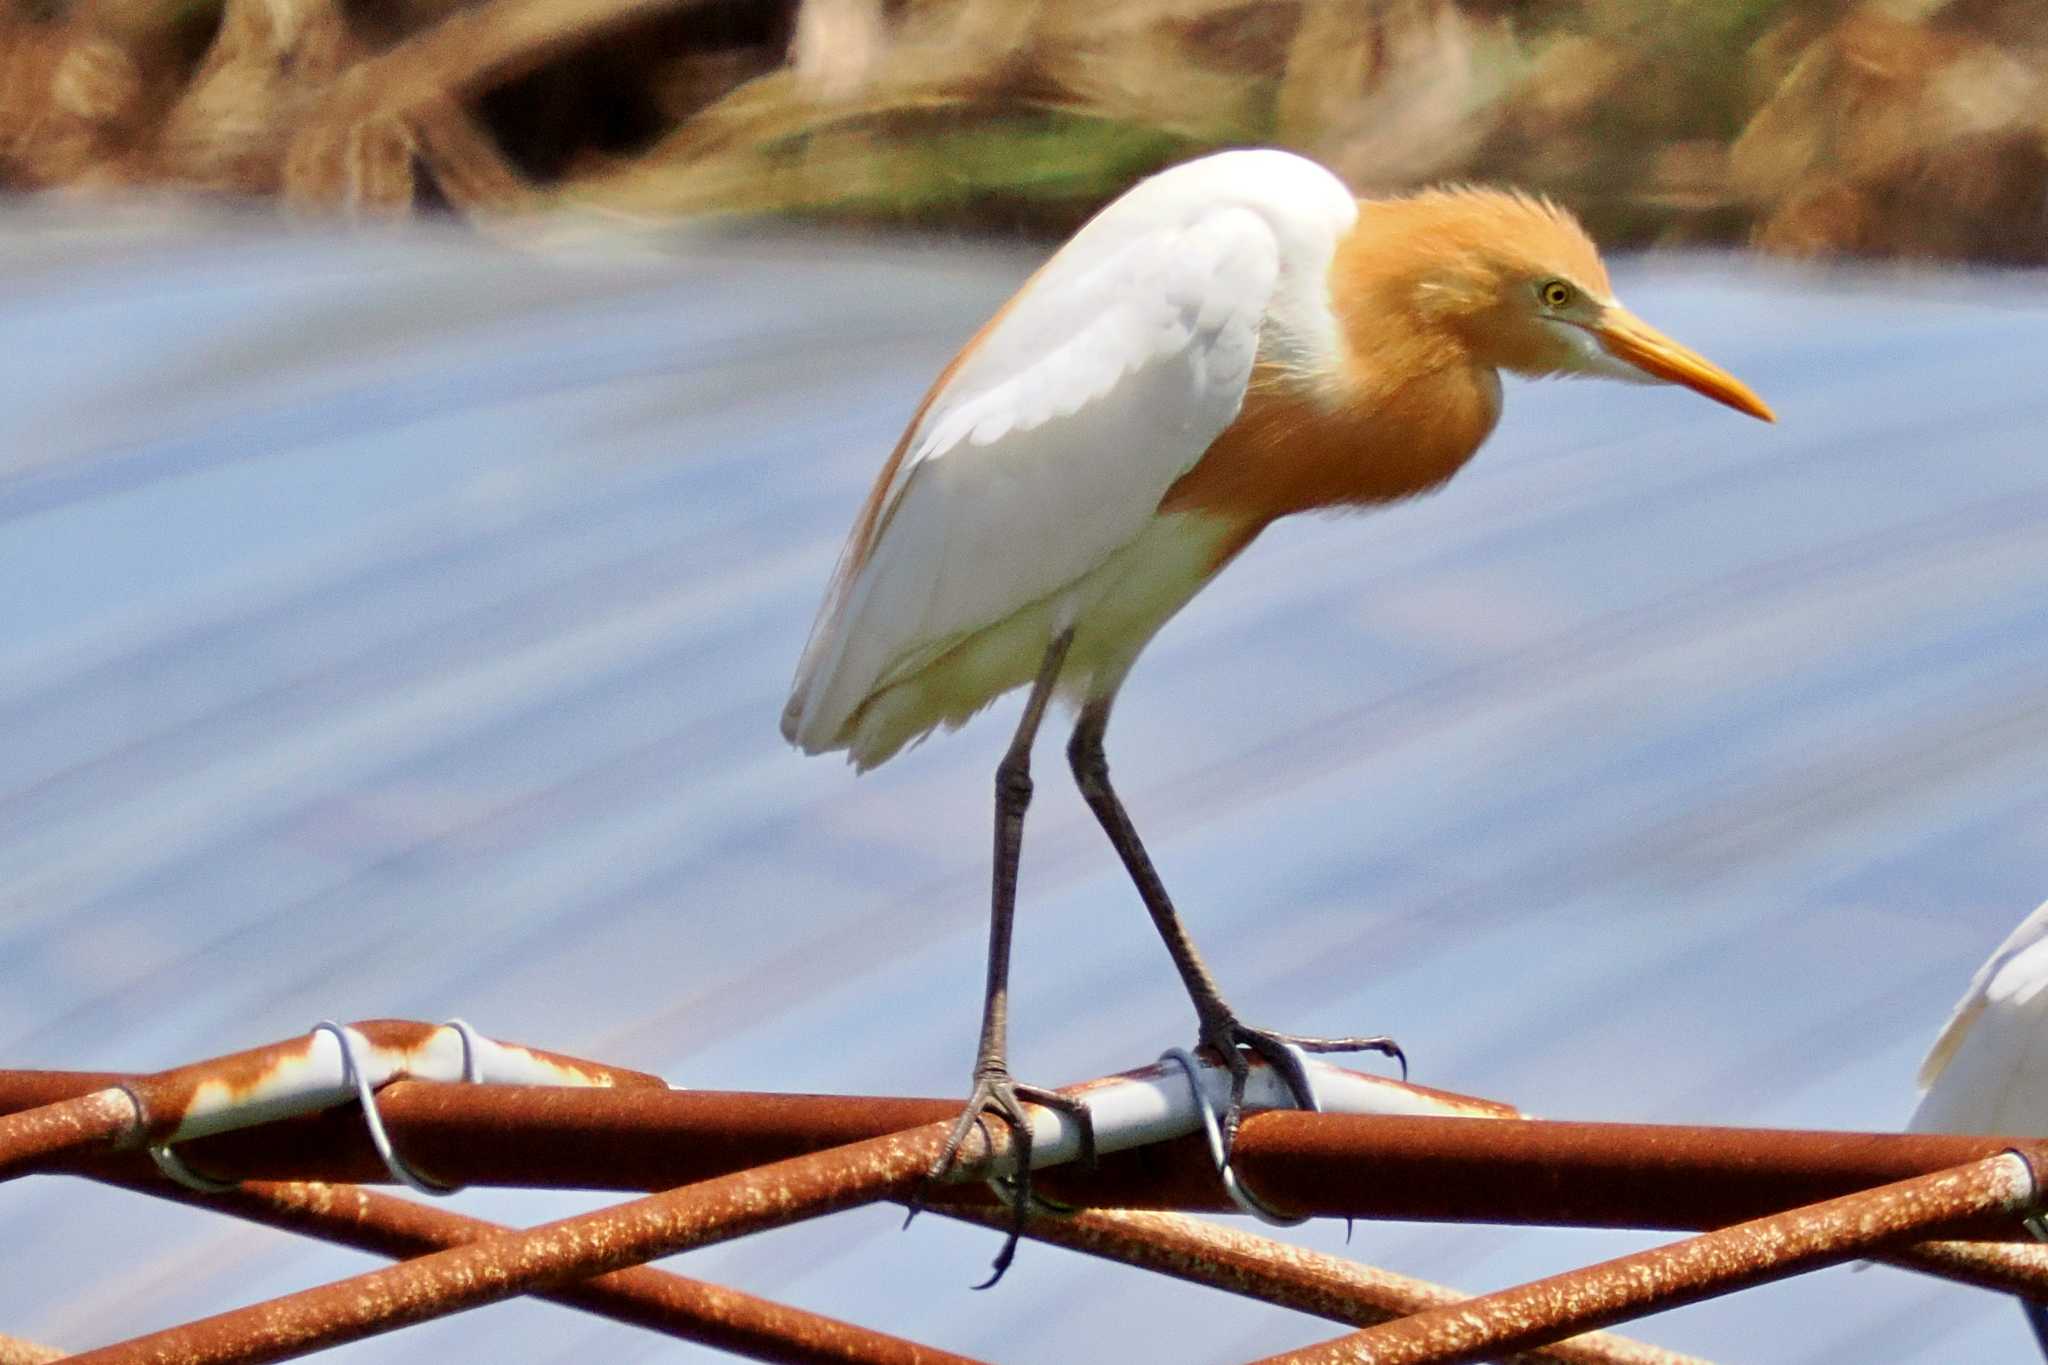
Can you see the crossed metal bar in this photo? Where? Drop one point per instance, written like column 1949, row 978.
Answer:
column 278, row 1122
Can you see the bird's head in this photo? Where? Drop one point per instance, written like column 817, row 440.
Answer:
column 1521, row 287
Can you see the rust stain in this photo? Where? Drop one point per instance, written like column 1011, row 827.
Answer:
column 1685, row 1272
column 2008, row 1267
column 1241, row 1262
column 169, row 1096
column 36, row 1139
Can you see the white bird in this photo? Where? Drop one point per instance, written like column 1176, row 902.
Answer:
column 1232, row 341
column 1988, row 1070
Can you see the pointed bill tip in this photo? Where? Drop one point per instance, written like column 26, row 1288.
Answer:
column 1627, row 337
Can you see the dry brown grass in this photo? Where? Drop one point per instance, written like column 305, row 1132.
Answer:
column 1908, row 127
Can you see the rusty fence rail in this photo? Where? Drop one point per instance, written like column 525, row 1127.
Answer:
column 278, row 1135
column 1511, row 1170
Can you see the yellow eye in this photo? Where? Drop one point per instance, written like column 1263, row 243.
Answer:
column 1554, row 293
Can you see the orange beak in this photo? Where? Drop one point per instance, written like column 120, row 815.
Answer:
column 1627, row 337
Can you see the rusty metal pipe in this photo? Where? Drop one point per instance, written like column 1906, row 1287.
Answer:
column 569, row 1249
column 1240, row 1262
column 33, row 1139
column 1428, row 1168
column 1697, row 1268
column 1130, row 1110
column 328, row 1069
column 31, row 1089
column 1544, row 1171
column 255, row 1086
column 692, row 1310
column 2009, row 1267
column 559, row 1136
column 1496, row 1170
column 1501, row 1170
column 298, row 1076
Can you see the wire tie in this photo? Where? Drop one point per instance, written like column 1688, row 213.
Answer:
column 2035, row 1219
column 353, row 1074
column 168, row 1161
column 1212, row 1128
column 472, row 1051
column 1006, row 1194
column 173, row 1165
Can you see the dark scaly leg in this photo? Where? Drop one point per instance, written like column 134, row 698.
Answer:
column 994, row 1091
column 2037, row 1318
column 1220, row 1027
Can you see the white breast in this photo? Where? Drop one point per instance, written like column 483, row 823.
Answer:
column 1114, row 611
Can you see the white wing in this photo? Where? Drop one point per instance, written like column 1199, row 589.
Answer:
column 1988, row 1071
column 1056, row 434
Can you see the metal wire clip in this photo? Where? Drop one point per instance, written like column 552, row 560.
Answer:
column 352, row 1074
column 1212, row 1128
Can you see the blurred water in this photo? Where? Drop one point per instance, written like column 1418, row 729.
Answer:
column 397, row 625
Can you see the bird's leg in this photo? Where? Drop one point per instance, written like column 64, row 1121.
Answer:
column 1220, row 1026
column 994, row 1091
column 2037, row 1318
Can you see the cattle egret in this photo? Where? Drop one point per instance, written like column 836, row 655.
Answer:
column 1988, row 1070
column 1233, row 340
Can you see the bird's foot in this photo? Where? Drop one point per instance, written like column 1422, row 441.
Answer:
column 995, row 1093
column 1230, row 1039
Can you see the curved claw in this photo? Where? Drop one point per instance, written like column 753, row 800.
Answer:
column 1378, row 1042
column 995, row 1093
column 1282, row 1051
